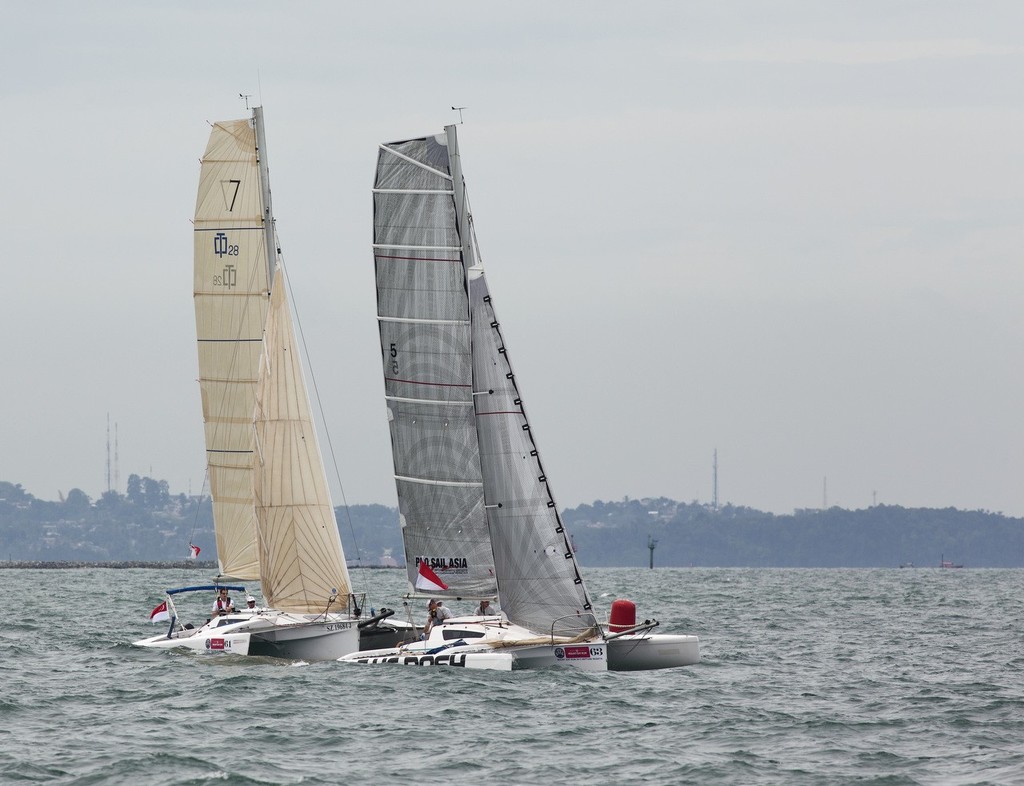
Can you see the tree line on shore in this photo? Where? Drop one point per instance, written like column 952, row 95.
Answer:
column 149, row 524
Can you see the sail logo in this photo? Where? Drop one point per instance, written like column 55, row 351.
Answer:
column 228, row 277
column 222, row 248
column 450, row 565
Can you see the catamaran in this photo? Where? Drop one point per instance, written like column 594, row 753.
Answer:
column 478, row 516
column 273, row 514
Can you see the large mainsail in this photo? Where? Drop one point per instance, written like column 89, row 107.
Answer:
column 468, row 471
column 303, row 566
column 231, row 282
column 423, row 314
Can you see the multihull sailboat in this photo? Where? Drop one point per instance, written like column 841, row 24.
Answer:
column 273, row 514
column 475, row 504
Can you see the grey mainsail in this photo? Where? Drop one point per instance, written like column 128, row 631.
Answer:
column 423, row 314
column 467, row 468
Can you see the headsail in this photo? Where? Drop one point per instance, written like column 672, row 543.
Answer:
column 539, row 580
column 302, row 563
column 423, row 314
column 231, row 282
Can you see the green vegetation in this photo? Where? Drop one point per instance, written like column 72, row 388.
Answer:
column 148, row 523
column 616, row 534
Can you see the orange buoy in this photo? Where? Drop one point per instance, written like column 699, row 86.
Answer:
column 623, row 615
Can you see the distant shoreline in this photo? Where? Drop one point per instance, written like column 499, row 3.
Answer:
column 63, row 564
column 120, row 565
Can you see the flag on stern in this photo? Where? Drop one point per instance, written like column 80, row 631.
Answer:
column 160, row 613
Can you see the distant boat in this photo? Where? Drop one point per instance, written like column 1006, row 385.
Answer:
column 945, row 563
column 906, row 564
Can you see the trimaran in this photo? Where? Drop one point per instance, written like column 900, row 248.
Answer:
column 477, row 512
column 272, row 508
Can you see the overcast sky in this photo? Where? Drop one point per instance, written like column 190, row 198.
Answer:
column 788, row 231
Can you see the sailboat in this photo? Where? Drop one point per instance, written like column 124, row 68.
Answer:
column 478, row 516
column 273, row 514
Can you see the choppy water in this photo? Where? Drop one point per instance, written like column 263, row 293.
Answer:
column 808, row 677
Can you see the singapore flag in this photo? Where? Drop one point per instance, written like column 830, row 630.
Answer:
column 428, row 580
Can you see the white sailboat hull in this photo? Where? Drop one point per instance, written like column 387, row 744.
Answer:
column 495, row 661
column 643, row 652
column 198, row 641
column 489, row 644
column 275, row 634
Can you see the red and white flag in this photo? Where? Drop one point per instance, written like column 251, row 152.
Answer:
column 193, row 551
column 428, row 580
column 160, row 613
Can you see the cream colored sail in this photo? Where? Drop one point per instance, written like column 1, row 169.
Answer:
column 231, row 294
column 302, row 563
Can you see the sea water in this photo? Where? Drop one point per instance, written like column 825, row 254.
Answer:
column 808, row 677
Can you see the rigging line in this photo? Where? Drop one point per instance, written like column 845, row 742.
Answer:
column 320, row 406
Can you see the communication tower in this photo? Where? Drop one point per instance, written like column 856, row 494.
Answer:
column 714, row 482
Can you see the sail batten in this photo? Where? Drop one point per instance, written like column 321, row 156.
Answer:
column 433, row 482
column 410, row 321
column 429, row 401
column 412, row 191
column 399, row 247
column 389, row 149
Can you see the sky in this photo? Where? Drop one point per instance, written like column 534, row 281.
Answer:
column 787, row 232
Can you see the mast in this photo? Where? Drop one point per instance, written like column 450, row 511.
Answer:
column 462, row 217
column 269, row 229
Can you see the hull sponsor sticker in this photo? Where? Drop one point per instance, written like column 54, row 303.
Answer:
column 578, row 652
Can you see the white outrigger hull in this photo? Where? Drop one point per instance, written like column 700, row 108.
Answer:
column 645, row 651
column 275, row 634
column 201, row 641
